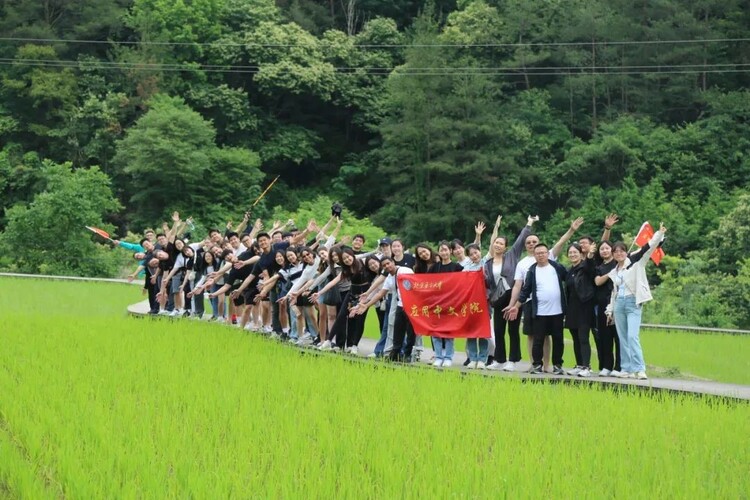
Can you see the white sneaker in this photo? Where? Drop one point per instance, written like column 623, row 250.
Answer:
column 625, row 375
column 575, row 371
column 509, row 366
column 615, row 373
column 437, row 363
column 372, row 355
column 605, row 373
column 586, row 372
column 325, row 346
column 481, row 365
column 641, row 376
column 164, row 312
column 305, row 340
column 267, row 329
column 354, row 350
column 447, row 363
column 335, row 349
column 472, row 365
column 275, row 336
column 495, row 366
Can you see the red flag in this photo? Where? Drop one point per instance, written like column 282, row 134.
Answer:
column 101, row 232
column 449, row 305
column 644, row 236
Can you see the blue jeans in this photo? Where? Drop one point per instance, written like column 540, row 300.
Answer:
column 310, row 324
column 628, row 324
column 477, row 349
column 293, row 333
column 215, row 304
column 443, row 348
column 380, row 346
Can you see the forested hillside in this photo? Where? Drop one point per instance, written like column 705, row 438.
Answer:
column 423, row 116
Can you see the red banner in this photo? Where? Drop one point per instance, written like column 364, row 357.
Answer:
column 644, row 236
column 449, row 305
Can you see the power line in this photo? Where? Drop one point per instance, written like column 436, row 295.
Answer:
column 562, row 71
column 395, row 45
column 193, row 66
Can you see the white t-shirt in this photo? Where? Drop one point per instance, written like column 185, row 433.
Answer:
column 549, row 301
column 523, row 267
column 524, row 264
column 391, row 283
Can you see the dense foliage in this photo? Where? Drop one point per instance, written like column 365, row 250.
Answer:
column 423, row 116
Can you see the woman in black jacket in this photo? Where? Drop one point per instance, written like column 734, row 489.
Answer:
column 579, row 318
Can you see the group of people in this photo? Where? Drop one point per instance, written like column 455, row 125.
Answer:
column 312, row 288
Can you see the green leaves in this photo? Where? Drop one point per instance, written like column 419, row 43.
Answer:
column 172, row 161
column 48, row 234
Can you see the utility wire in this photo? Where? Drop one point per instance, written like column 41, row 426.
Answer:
column 395, row 45
column 192, row 66
column 569, row 71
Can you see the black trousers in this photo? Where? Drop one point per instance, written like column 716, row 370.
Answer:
column 402, row 328
column 514, row 336
column 580, row 334
column 275, row 311
column 348, row 331
column 606, row 340
column 153, row 304
column 543, row 326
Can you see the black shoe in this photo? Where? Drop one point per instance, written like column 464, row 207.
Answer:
column 490, row 360
column 557, row 370
column 466, row 363
column 536, row 369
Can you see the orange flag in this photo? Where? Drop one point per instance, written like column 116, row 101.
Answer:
column 644, row 236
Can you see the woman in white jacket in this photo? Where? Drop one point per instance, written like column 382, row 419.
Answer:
column 630, row 292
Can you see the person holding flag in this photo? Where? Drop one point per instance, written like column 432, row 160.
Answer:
column 630, row 292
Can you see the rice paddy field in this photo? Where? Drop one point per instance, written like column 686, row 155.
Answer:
column 94, row 404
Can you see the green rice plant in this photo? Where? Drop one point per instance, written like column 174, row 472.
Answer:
column 95, row 404
column 721, row 357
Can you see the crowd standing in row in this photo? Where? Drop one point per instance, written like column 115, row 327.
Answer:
column 308, row 287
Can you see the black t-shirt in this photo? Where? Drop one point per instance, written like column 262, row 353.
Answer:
column 242, row 273
column 604, row 292
column 451, row 267
column 268, row 260
column 408, row 260
column 167, row 265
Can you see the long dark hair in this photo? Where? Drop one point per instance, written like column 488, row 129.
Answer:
column 338, row 250
column 356, row 267
column 423, row 266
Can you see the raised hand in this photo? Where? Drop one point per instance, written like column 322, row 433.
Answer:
column 531, row 219
column 480, row 227
column 611, row 220
column 577, row 223
column 175, row 216
column 498, row 221
column 229, row 225
column 662, row 228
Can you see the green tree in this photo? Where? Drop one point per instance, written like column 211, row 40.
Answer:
column 171, row 161
column 48, row 234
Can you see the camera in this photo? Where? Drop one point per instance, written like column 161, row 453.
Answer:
column 336, row 209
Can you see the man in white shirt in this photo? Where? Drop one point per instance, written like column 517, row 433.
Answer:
column 544, row 282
